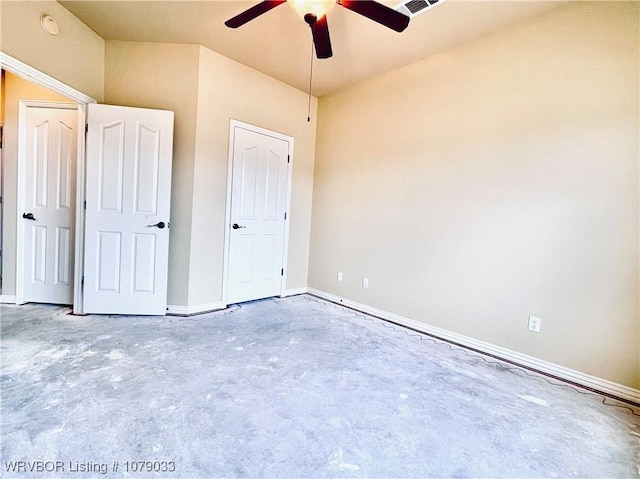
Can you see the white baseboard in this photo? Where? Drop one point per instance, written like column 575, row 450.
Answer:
column 8, row 298
column 293, row 292
column 176, row 310
column 593, row 383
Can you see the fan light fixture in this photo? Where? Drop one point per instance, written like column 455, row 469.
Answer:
column 314, row 13
column 319, row 8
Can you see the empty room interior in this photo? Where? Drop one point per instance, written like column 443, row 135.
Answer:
column 240, row 239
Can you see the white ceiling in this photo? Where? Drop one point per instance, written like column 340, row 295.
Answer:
column 278, row 43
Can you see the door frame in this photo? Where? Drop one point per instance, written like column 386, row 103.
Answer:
column 233, row 124
column 17, row 67
column 24, row 106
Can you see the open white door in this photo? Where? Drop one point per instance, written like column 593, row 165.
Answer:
column 128, row 187
column 46, row 212
column 257, row 217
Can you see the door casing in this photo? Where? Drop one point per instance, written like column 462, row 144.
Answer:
column 233, row 124
column 23, row 70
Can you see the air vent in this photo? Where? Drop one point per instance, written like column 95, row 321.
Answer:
column 413, row 8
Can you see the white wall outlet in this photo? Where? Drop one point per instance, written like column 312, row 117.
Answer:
column 339, row 275
column 365, row 282
column 534, row 324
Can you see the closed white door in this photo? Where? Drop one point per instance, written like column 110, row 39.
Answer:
column 257, row 225
column 128, row 187
column 49, row 204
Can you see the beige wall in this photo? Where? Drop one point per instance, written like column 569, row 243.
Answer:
column 163, row 76
column 75, row 56
column 229, row 90
column 206, row 90
column 15, row 89
column 494, row 181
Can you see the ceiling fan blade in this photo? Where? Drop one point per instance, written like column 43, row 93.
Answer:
column 378, row 13
column 321, row 39
column 253, row 12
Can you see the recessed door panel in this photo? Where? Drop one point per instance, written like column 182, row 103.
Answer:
column 40, row 164
column 63, row 256
column 268, row 256
column 108, row 261
column 247, row 245
column 147, row 161
column 272, row 187
column 39, row 254
column 111, row 167
column 144, row 262
column 248, row 182
column 65, row 166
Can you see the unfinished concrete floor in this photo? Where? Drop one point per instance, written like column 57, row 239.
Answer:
column 287, row 388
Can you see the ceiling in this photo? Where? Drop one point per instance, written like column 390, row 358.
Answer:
column 278, row 43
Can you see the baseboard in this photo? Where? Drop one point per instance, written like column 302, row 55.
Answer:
column 592, row 383
column 177, row 310
column 8, row 298
column 293, row 292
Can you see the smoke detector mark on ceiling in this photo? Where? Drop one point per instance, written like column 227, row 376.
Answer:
column 413, row 8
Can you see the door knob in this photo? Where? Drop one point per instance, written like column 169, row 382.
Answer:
column 236, row 226
column 160, row 225
column 28, row 216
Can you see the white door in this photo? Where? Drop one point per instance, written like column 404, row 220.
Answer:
column 48, row 215
column 257, row 219
column 128, row 186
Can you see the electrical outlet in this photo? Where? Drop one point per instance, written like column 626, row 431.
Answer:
column 365, row 282
column 339, row 275
column 534, row 324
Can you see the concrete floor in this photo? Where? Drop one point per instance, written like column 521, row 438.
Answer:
column 286, row 388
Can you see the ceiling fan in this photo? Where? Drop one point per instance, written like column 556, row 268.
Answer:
column 314, row 13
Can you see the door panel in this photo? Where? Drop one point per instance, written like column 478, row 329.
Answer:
column 108, row 262
column 146, row 171
column 66, row 168
column 49, row 193
column 144, row 254
column 258, row 201
column 129, row 152
column 63, row 256
column 111, row 161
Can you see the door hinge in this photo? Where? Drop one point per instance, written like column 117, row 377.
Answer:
column 285, row 215
column 82, row 281
column 86, row 128
column 85, row 204
column 288, row 158
column 282, row 272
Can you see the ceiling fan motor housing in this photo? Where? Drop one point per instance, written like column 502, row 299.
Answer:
column 310, row 18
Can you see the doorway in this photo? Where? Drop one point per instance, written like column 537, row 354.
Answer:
column 119, row 164
column 258, row 200
column 20, row 83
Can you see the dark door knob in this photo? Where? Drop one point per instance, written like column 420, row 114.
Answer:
column 28, row 216
column 160, row 225
column 236, row 226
